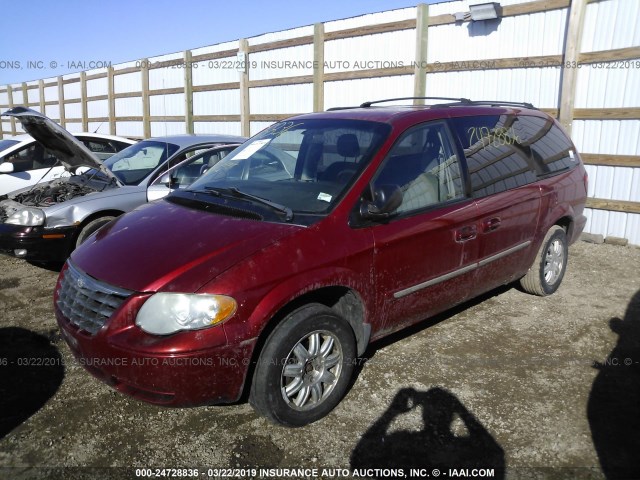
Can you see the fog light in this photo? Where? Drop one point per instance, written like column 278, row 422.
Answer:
column 20, row 252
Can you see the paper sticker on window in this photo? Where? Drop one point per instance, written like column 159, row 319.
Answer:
column 325, row 197
column 572, row 156
column 251, row 149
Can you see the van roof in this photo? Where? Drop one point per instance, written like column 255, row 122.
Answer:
column 419, row 113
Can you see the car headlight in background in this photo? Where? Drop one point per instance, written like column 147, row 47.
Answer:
column 166, row 313
column 28, row 217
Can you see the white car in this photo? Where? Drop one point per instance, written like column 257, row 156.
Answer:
column 25, row 162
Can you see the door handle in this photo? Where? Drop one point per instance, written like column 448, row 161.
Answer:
column 467, row 233
column 491, row 224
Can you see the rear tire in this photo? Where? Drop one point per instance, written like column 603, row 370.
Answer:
column 304, row 368
column 546, row 273
column 91, row 227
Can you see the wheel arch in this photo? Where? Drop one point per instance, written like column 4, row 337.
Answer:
column 93, row 216
column 345, row 300
column 102, row 213
column 566, row 222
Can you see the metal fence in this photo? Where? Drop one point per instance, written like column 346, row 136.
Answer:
column 578, row 60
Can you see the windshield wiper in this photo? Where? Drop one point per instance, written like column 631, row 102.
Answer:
column 234, row 192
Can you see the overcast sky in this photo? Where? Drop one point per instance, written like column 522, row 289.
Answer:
column 37, row 35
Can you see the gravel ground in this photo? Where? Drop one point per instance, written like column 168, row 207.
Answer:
column 530, row 387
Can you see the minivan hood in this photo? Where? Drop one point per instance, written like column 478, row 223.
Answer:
column 169, row 247
column 71, row 151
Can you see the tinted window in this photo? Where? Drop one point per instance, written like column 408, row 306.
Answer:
column 98, row 146
column 495, row 158
column 508, row 151
column 551, row 149
column 424, row 166
column 31, row 157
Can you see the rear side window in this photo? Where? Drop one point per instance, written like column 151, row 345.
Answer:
column 550, row 147
column 31, row 157
column 509, row 151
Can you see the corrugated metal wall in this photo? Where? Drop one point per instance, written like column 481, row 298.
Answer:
column 217, row 102
column 611, row 24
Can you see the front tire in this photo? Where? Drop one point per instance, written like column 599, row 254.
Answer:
column 546, row 273
column 304, row 368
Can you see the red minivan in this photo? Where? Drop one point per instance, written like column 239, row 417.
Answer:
column 321, row 234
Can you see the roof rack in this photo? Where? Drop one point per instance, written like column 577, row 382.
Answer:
column 333, row 109
column 452, row 102
column 460, row 100
column 500, row 103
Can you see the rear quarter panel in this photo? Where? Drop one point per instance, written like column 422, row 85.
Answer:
column 563, row 196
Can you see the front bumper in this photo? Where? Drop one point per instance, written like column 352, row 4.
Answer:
column 179, row 370
column 37, row 243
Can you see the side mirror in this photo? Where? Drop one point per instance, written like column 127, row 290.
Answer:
column 165, row 180
column 6, row 167
column 386, row 200
column 168, row 181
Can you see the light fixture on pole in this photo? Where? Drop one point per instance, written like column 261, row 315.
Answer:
column 479, row 12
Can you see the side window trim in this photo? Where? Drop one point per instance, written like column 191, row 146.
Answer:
column 462, row 159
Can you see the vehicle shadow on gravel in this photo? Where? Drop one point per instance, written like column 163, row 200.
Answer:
column 614, row 403
column 450, row 437
column 31, row 371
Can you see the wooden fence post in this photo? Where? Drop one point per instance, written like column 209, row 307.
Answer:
column 61, row 115
column 245, row 108
column 188, row 92
column 25, row 95
column 83, row 101
column 111, row 101
column 146, row 109
column 10, row 97
column 420, row 66
column 568, row 79
column 318, row 71
column 41, row 95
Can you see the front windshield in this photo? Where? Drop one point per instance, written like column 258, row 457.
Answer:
column 4, row 144
column 304, row 165
column 134, row 163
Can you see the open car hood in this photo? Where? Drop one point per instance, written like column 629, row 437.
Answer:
column 71, row 152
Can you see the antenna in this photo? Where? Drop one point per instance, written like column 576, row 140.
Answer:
column 96, row 130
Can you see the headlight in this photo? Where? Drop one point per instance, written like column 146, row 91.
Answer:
column 166, row 313
column 28, row 217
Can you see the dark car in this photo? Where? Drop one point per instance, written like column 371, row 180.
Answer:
column 323, row 233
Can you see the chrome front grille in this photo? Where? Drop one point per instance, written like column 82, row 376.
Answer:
column 86, row 302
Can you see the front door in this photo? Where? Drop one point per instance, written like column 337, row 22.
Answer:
column 425, row 256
